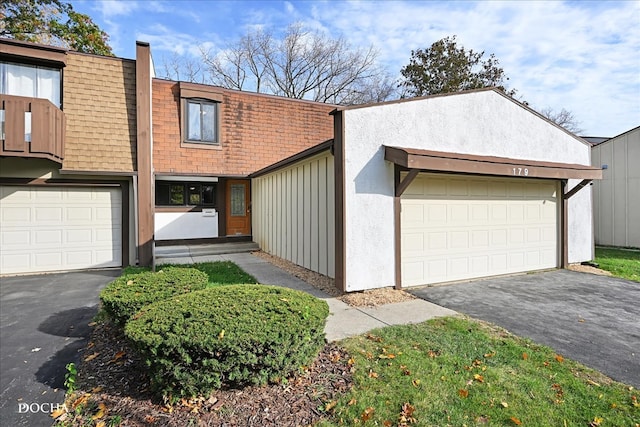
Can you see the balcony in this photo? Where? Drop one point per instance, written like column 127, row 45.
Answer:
column 31, row 128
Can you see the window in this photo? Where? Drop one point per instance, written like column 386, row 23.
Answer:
column 185, row 194
column 30, row 81
column 201, row 107
column 201, row 121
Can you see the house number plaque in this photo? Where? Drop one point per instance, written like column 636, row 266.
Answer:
column 520, row 171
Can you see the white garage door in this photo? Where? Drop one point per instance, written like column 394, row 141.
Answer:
column 456, row 228
column 59, row 228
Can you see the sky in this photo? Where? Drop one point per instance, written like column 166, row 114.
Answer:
column 583, row 56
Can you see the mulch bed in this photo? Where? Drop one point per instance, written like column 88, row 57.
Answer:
column 110, row 373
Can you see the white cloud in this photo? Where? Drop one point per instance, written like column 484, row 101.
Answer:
column 584, row 57
column 110, row 8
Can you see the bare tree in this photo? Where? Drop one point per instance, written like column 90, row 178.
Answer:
column 303, row 64
column 564, row 118
column 183, row 68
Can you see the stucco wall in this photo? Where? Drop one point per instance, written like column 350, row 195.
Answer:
column 480, row 123
column 616, row 201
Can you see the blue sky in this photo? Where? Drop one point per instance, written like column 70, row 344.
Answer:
column 580, row 55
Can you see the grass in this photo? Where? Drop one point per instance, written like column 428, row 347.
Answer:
column 622, row 263
column 219, row 272
column 454, row 372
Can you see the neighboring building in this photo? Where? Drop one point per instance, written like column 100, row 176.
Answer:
column 617, row 196
column 428, row 190
column 67, row 161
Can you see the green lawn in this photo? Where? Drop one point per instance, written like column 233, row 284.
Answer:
column 622, row 263
column 219, row 272
column 455, row 372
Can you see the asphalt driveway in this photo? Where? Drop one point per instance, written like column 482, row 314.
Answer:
column 43, row 323
column 592, row 319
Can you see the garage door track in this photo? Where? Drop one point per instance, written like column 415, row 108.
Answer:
column 592, row 319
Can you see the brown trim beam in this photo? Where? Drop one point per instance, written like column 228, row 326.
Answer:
column 339, row 191
column 564, row 220
column 144, row 153
column 577, row 188
column 34, row 52
column 401, row 186
column 397, row 218
column 428, row 160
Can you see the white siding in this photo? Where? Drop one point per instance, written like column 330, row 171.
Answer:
column 293, row 213
column 59, row 228
column 617, row 196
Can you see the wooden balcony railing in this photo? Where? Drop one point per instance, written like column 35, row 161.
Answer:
column 31, row 128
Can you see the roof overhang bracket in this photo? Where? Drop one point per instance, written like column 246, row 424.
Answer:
column 577, row 188
column 406, row 181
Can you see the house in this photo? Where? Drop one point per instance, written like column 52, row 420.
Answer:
column 430, row 190
column 403, row 193
column 100, row 161
column 67, row 160
column 616, row 201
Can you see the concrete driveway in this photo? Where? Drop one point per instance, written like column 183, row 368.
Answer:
column 592, row 319
column 43, row 323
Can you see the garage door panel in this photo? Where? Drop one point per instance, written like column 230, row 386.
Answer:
column 475, row 227
column 59, row 228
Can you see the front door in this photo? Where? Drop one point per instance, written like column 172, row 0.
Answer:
column 238, row 209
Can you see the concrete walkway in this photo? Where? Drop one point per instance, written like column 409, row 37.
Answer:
column 344, row 320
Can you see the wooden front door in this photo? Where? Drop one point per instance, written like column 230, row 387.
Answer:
column 238, row 207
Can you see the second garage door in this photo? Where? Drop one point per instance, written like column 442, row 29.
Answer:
column 462, row 227
column 59, row 228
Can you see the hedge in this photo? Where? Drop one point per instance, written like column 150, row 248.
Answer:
column 231, row 336
column 126, row 295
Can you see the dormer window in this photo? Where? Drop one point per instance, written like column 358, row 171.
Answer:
column 202, row 121
column 200, row 112
column 31, row 81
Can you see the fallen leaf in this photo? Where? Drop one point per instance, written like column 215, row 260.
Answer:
column 100, row 424
column 102, row 408
column 150, row 419
column 96, row 389
column 433, row 354
column 416, row 383
column 372, row 374
column 221, row 334
column 559, row 358
column 91, row 357
column 79, row 401
column 516, row 421
column 463, row 393
column 329, row 406
column 478, row 378
column 33, row 350
column 524, row 356
column 581, row 320
column 129, row 282
column 92, row 324
column 352, row 402
column 593, row 383
column 374, row 338
column 488, row 355
column 387, row 356
column 387, row 423
column 367, row 414
column 408, row 409
column 351, row 362
column 59, row 412
column 596, row 421
column 504, row 404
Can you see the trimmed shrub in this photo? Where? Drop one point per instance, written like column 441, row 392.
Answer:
column 232, row 336
column 126, row 295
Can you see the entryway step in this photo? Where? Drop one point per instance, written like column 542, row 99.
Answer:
column 181, row 251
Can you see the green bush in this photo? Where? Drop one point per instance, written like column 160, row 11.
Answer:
column 227, row 336
column 126, row 295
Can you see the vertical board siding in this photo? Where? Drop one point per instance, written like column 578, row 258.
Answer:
column 294, row 213
column 616, row 204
